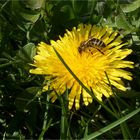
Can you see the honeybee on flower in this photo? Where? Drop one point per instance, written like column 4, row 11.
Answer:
column 90, row 52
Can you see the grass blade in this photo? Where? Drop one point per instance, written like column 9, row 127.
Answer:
column 112, row 125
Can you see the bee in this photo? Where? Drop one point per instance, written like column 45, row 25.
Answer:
column 91, row 43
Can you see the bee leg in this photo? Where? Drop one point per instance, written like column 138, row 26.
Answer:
column 100, row 51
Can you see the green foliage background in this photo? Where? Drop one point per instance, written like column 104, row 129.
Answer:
column 25, row 112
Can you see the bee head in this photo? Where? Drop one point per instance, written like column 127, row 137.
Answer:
column 82, row 46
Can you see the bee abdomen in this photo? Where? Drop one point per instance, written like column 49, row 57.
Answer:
column 91, row 43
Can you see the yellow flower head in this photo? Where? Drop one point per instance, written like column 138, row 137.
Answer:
column 91, row 52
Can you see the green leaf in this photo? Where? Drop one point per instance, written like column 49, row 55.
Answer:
column 79, row 7
column 23, row 14
column 33, row 4
column 131, row 7
column 27, row 53
column 122, row 23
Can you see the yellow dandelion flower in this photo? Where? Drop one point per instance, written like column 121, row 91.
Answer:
column 91, row 52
